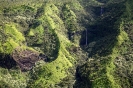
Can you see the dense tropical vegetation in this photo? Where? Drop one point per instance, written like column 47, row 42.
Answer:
column 66, row 43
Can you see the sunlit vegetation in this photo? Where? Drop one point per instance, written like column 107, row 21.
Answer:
column 40, row 29
column 104, row 70
column 66, row 44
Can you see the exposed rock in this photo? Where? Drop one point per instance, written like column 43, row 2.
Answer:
column 26, row 59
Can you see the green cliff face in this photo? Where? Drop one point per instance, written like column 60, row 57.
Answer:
column 73, row 43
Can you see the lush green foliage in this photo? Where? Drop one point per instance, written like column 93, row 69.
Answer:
column 41, row 29
column 55, row 28
column 104, row 69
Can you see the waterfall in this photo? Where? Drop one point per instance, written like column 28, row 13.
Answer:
column 101, row 12
column 86, row 37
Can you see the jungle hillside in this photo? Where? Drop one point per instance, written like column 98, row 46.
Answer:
column 66, row 43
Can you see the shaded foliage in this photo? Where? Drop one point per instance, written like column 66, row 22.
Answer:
column 7, row 61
